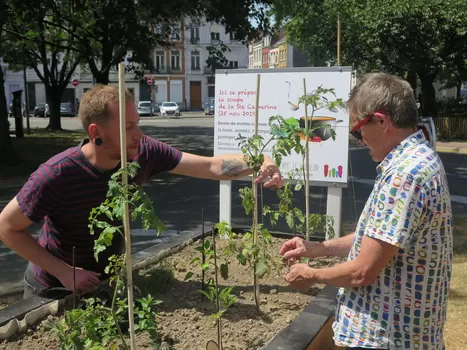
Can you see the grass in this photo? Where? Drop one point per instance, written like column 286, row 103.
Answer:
column 455, row 337
column 35, row 149
column 42, row 144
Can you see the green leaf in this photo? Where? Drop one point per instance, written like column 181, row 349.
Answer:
column 224, row 268
column 241, row 259
column 261, row 269
column 289, row 219
column 188, row 275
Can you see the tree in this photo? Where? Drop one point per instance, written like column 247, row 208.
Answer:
column 39, row 39
column 8, row 155
column 106, row 31
column 408, row 38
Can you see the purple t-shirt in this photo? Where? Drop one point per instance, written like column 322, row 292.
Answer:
column 63, row 190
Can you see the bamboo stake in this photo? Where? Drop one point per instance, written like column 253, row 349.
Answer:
column 307, row 165
column 255, row 197
column 126, row 218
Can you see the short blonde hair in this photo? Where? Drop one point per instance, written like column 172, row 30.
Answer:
column 94, row 105
column 381, row 91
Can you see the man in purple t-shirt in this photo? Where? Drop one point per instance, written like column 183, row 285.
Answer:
column 63, row 190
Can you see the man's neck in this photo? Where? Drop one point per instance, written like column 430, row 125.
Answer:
column 400, row 135
column 97, row 159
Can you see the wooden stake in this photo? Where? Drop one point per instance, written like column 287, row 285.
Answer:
column 218, row 304
column 74, row 278
column 338, row 40
column 126, row 218
column 255, row 196
column 307, row 166
column 203, row 257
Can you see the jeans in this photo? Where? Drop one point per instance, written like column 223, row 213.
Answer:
column 31, row 285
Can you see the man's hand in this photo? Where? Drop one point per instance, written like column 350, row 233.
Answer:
column 270, row 169
column 300, row 276
column 85, row 280
column 293, row 249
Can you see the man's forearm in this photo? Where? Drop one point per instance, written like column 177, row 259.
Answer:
column 232, row 166
column 27, row 247
column 345, row 275
column 334, row 247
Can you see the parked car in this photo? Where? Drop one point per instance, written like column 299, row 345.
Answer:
column 209, row 107
column 170, row 108
column 39, row 110
column 147, row 108
column 66, row 110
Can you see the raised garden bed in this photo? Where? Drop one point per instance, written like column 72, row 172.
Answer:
column 183, row 317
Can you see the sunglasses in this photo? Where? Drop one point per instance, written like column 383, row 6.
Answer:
column 356, row 132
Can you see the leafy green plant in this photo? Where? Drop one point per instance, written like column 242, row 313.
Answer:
column 93, row 327
column 104, row 216
column 288, row 135
column 99, row 325
column 222, row 298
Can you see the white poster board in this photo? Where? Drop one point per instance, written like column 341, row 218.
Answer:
column 280, row 90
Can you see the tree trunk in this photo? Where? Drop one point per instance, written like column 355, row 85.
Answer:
column 412, row 79
column 54, row 98
column 429, row 108
column 8, row 155
column 102, row 77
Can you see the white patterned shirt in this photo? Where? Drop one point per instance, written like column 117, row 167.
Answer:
column 409, row 207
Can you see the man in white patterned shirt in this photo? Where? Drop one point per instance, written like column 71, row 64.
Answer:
column 395, row 282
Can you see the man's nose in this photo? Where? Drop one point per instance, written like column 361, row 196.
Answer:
column 139, row 134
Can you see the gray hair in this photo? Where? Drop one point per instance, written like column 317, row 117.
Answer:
column 389, row 93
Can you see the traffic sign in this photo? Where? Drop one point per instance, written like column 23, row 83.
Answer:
column 149, row 81
column 75, row 82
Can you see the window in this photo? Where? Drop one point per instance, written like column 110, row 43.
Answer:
column 233, row 64
column 194, row 34
column 195, row 60
column 215, row 36
column 175, row 60
column 176, row 32
column 160, row 60
column 236, row 37
column 211, row 91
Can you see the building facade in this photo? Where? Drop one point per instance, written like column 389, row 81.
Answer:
column 182, row 75
column 273, row 51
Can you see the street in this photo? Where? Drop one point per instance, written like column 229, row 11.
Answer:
column 180, row 200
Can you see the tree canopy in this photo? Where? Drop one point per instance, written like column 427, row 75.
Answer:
column 417, row 38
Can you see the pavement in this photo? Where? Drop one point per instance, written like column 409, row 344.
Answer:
column 452, row 147
column 180, row 200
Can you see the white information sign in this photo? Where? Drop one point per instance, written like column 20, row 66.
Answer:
column 280, row 90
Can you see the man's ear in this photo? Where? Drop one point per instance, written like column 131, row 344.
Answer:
column 93, row 131
column 386, row 122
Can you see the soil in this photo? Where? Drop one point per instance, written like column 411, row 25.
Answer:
column 184, row 317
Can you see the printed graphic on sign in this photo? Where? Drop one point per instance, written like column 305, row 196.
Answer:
column 335, row 172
